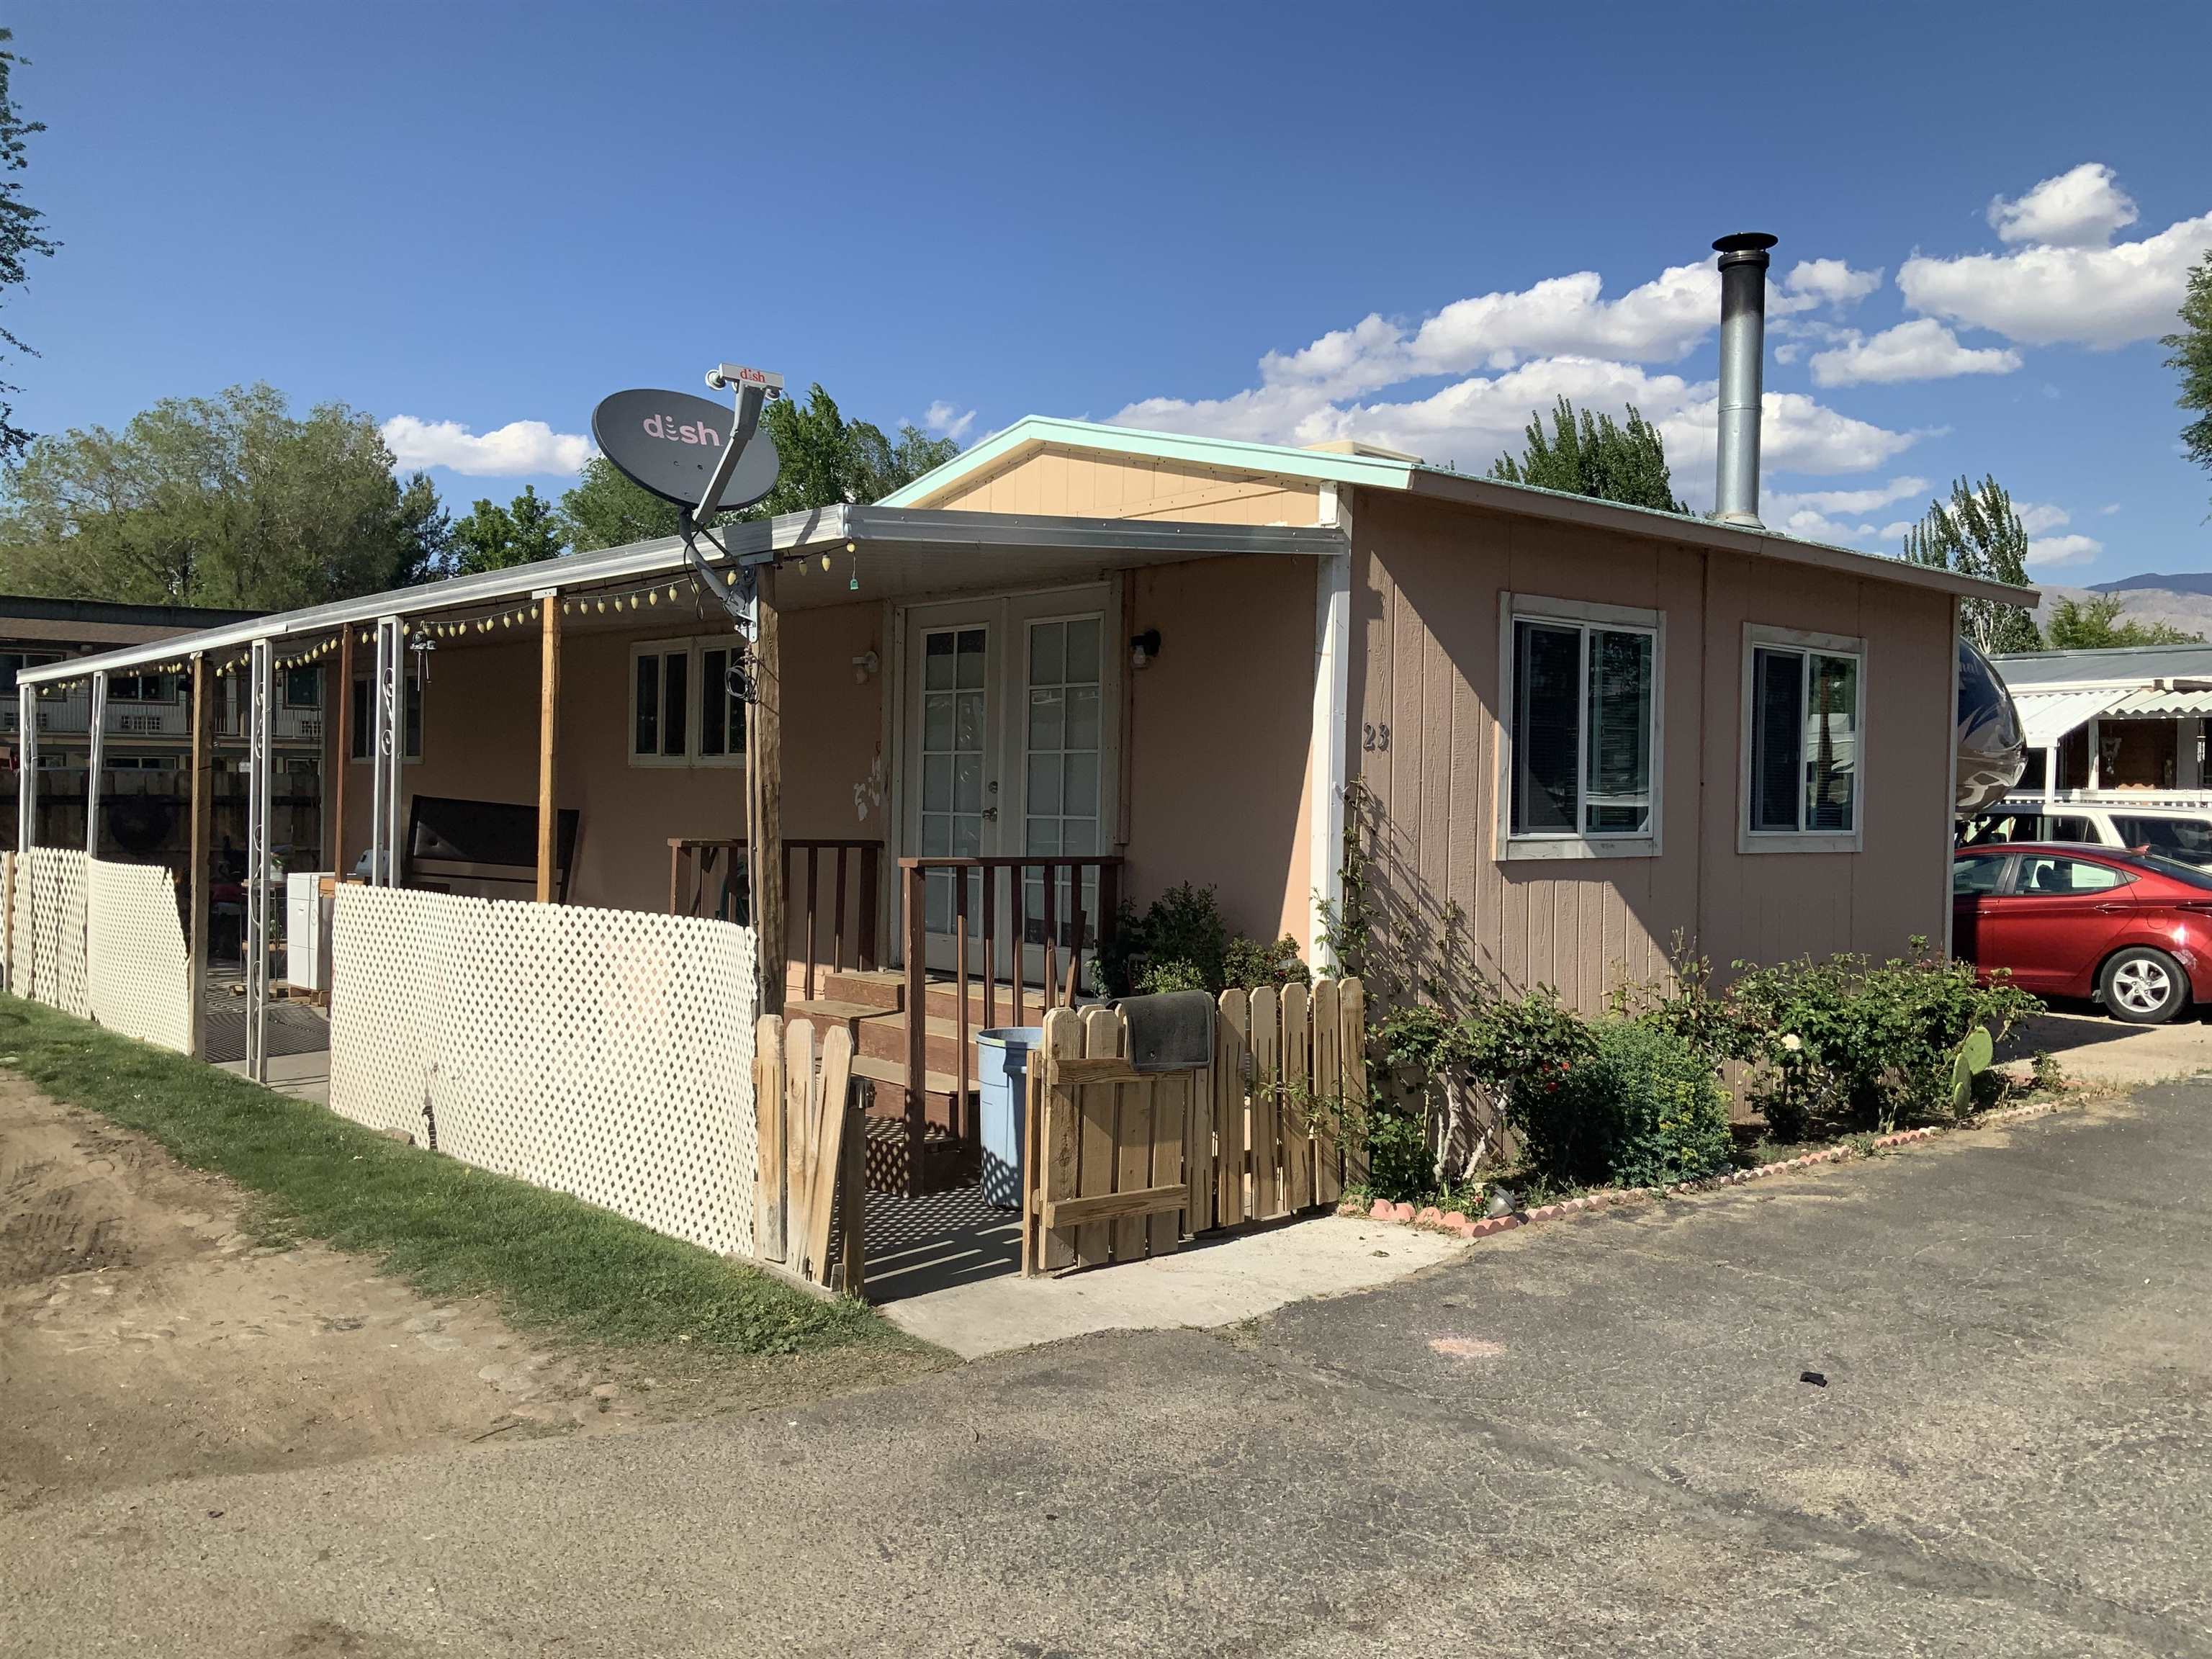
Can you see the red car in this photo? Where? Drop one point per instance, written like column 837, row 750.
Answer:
column 2132, row 929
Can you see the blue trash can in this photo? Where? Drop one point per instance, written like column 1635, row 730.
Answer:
column 1002, row 1072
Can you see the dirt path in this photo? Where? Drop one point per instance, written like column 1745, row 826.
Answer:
column 146, row 1335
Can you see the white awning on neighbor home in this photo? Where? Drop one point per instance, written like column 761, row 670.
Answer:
column 2047, row 716
column 2161, row 705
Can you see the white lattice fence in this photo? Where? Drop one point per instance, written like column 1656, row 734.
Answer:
column 603, row 1052
column 50, row 911
column 138, row 970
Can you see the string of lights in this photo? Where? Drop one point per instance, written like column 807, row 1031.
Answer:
column 424, row 631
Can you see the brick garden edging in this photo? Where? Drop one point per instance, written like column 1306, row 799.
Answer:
column 1455, row 1221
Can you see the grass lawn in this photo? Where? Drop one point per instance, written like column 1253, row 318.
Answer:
column 554, row 1263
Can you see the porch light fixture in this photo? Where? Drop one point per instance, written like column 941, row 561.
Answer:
column 864, row 665
column 1143, row 646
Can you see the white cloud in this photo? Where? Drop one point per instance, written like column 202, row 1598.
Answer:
column 948, row 422
column 1848, row 501
column 1806, row 512
column 1559, row 317
column 2038, row 518
column 1897, row 530
column 2062, row 282
column 1831, row 281
column 518, row 449
column 2080, row 208
column 2109, row 508
column 2063, row 550
column 1797, row 434
column 1923, row 349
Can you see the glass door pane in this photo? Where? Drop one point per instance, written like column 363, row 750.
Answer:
column 1060, row 767
column 954, row 731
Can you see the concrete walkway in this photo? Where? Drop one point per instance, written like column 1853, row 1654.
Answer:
column 2094, row 1048
column 1591, row 1437
column 1209, row 1283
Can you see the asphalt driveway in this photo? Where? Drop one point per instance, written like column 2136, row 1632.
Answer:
column 1588, row 1437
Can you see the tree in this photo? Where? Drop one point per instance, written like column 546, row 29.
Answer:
column 2193, row 356
column 1596, row 457
column 21, row 235
column 826, row 460
column 2094, row 624
column 526, row 531
column 228, row 501
column 605, row 509
column 1978, row 534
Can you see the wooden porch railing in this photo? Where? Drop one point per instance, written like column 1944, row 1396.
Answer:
column 982, row 876
column 705, row 878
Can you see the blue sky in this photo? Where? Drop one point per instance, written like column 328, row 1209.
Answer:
column 1277, row 221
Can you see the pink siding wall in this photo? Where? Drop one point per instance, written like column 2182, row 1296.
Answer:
column 1426, row 584
column 480, row 741
column 1219, row 725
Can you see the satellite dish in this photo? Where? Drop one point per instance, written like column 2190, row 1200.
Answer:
column 671, row 442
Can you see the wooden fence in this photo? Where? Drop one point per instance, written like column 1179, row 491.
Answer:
column 809, row 1188
column 1121, row 1164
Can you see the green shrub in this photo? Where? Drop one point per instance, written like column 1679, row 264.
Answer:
column 1643, row 1107
column 1248, row 962
column 1850, row 1044
column 1181, row 943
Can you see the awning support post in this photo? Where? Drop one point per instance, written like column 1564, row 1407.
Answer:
column 95, row 763
column 385, row 752
column 198, row 876
column 258, row 863
column 27, row 767
column 548, row 744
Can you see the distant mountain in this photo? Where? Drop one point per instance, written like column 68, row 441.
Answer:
column 2195, row 581
column 2180, row 601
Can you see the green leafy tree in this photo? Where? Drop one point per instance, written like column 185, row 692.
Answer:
column 1593, row 455
column 825, row 459
column 528, row 531
column 828, row 459
column 1977, row 534
column 227, row 501
column 2095, row 625
column 605, row 509
column 2192, row 355
column 21, row 233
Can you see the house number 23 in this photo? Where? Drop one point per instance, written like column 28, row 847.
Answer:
column 1375, row 739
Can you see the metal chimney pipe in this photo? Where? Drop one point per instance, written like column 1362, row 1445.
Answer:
column 1743, row 361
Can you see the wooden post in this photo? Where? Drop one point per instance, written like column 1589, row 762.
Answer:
column 853, row 1193
column 765, row 814
column 340, row 748
column 549, row 745
column 201, row 842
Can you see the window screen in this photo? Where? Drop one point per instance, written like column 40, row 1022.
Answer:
column 1583, row 715
column 1804, row 741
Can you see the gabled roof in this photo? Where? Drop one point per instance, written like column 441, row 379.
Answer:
column 1364, row 466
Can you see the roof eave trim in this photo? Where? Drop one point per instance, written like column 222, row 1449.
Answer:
column 1035, row 432
column 1704, row 532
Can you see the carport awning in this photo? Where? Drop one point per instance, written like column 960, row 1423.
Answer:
column 2162, row 705
column 2047, row 716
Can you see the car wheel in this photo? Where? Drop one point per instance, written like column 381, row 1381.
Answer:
column 2143, row 987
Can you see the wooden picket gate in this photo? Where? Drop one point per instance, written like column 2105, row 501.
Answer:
column 1119, row 1164
column 808, row 1194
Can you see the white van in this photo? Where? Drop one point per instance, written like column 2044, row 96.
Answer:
column 2179, row 832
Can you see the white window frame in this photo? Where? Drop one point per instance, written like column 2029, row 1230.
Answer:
column 1748, row 840
column 364, row 698
column 695, row 648
column 1578, row 843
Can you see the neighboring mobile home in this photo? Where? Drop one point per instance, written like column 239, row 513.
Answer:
column 2127, row 720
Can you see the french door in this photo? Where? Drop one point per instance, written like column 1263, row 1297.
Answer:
column 1010, row 748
